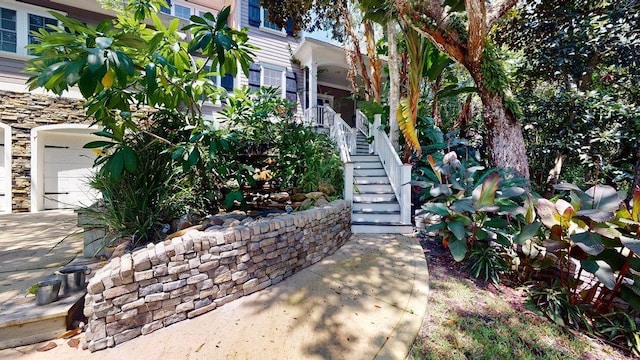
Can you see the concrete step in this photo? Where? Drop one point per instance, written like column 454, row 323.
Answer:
column 369, row 172
column 372, row 189
column 367, row 165
column 380, row 228
column 391, row 206
column 365, row 158
column 24, row 323
column 375, row 217
column 367, row 180
column 373, row 198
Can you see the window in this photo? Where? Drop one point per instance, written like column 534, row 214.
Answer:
column 37, row 22
column 272, row 78
column 226, row 82
column 16, row 25
column 268, row 24
column 8, row 30
column 259, row 16
column 182, row 9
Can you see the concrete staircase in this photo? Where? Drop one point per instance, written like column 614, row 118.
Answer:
column 375, row 208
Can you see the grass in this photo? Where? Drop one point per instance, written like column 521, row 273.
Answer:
column 469, row 320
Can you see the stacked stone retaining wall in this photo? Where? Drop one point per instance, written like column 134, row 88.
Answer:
column 190, row 275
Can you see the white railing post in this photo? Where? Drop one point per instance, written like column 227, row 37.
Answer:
column 348, row 181
column 377, row 122
column 405, row 194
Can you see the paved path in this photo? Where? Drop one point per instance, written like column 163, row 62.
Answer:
column 33, row 246
column 365, row 301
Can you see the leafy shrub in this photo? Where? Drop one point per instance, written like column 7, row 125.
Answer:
column 557, row 304
column 618, row 327
column 138, row 203
column 484, row 261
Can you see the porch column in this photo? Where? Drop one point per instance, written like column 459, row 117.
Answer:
column 313, row 84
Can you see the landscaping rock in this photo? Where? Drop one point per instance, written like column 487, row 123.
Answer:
column 315, row 195
column 280, row 197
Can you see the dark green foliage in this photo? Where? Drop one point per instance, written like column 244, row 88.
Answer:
column 486, row 263
column 139, row 202
column 478, row 208
column 577, row 80
column 555, row 302
column 264, row 123
column 619, row 327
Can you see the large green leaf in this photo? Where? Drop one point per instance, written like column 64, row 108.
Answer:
column 630, row 297
column 597, row 215
column 631, row 243
column 602, row 271
column 97, row 144
column 527, row 232
column 436, row 208
column 457, row 229
column 604, row 198
column 458, row 249
column 589, row 242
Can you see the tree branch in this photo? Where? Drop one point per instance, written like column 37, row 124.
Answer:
column 497, row 10
column 476, row 14
column 440, row 41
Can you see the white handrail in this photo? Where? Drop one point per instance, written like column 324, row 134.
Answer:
column 342, row 135
column 399, row 173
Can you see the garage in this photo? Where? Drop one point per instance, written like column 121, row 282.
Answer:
column 5, row 168
column 65, row 169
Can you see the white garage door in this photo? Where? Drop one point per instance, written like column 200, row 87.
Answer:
column 3, row 180
column 67, row 169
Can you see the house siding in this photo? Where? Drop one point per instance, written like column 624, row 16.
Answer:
column 273, row 49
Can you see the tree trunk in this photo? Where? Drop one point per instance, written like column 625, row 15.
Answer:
column 504, row 135
column 394, row 84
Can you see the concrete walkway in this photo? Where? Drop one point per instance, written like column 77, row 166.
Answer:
column 365, row 301
column 33, row 246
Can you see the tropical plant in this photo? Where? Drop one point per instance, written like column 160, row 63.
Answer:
column 597, row 233
column 130, row 72
column 557, row 304
column 474, row 204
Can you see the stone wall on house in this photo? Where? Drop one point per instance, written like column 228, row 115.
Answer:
column 187, row 276
column 23, row 112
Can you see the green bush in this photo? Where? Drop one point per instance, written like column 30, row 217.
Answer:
column 138, row 203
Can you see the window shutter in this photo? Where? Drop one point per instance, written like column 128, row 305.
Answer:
column 254, row 77
column 254, row 13
column 227, row 82
column 289, row 27
column 292, row 88
column 166, row 10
